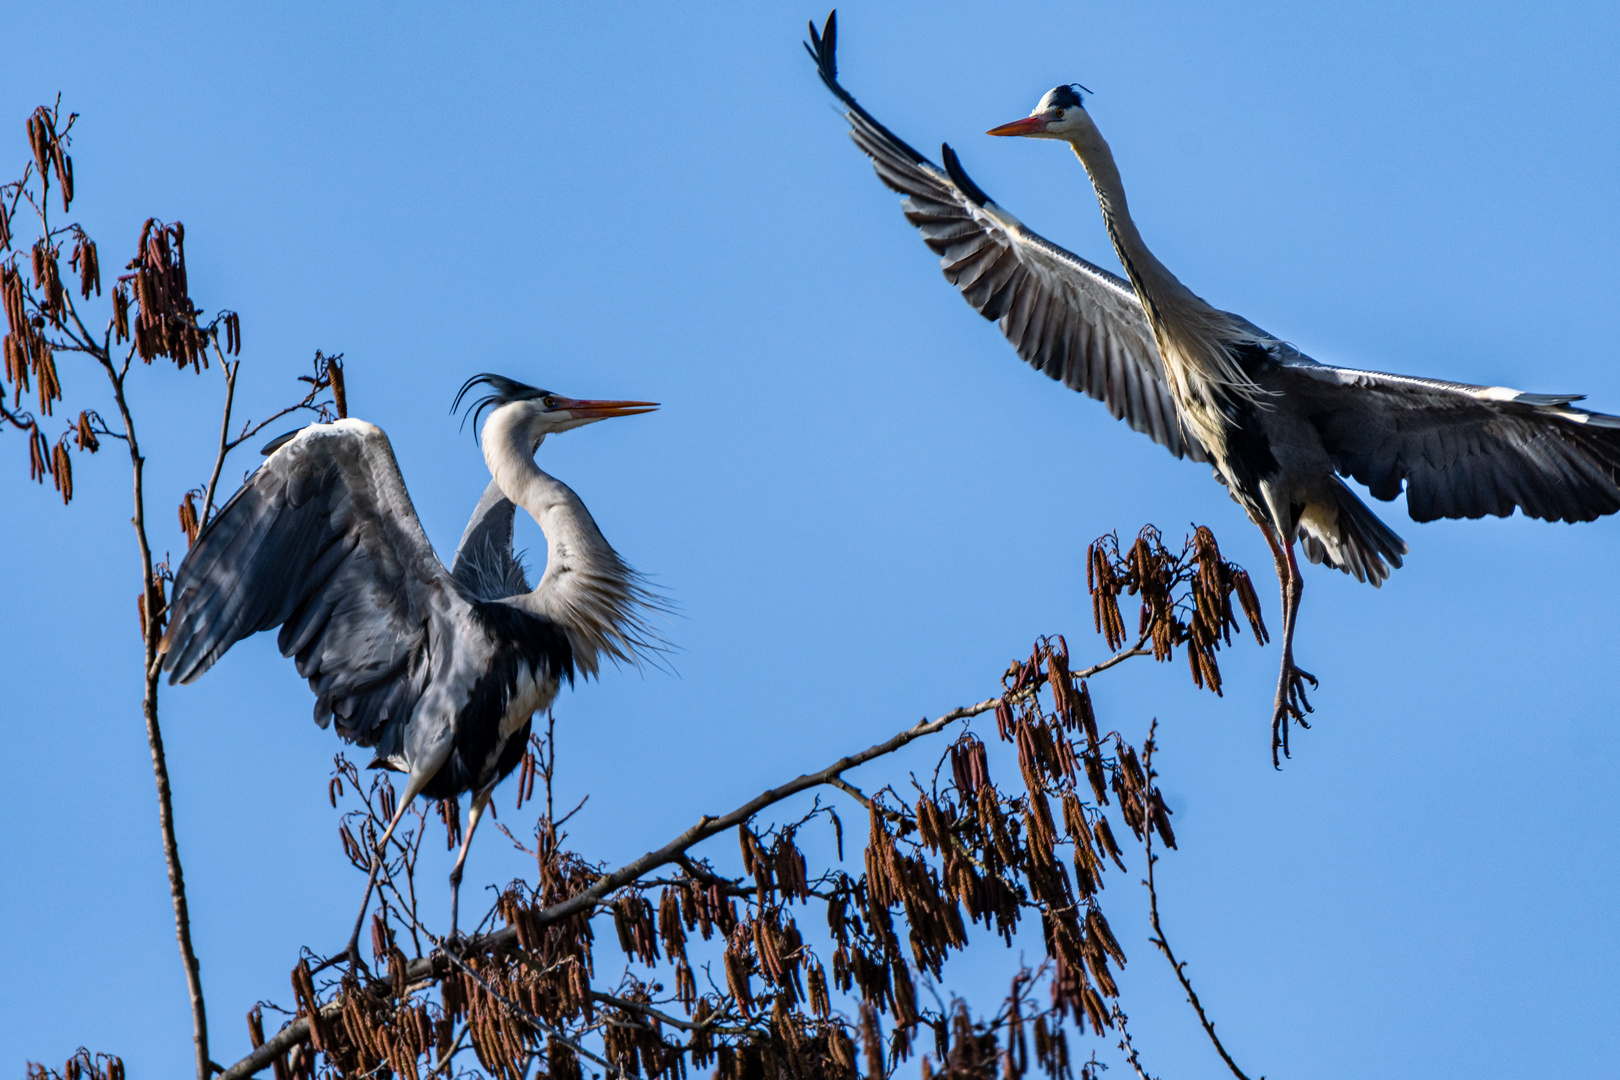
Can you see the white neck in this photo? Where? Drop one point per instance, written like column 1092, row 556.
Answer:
column 587, row 588
column 1191, row 334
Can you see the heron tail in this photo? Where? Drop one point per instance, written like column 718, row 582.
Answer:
column 1350, row 537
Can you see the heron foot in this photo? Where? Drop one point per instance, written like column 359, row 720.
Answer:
column 1291, row 705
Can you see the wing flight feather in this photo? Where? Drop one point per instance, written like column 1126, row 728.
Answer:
column 323, row 542
column 1067, row 317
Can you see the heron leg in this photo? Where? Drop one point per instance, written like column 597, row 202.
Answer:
column 1291, row 703
column 413, row 787
column 474, row 813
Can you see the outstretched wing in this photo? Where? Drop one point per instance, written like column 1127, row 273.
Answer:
column 1067, row 317
column 1463, row 451
column 485, row 564
column 323, row 542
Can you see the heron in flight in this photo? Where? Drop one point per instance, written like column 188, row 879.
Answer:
column 439, row 670
column 1279, row 428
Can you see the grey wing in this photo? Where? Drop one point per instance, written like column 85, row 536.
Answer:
column 1463, row 451
column 485, row 564
column 1067, row 317
column 323, row 542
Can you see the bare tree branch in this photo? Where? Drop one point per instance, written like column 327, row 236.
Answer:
column 436, row 965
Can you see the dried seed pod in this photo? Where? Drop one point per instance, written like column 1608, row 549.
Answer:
column 62, row 472
column 303, row 986
column 38, row 452
column 1105, row 841
column 50, row 389
column 1092, row 760
column 40, row 131
column 1159, row 817
column 120, row 317
column 340, row 394
column 190, row 526
column 88, row 263
column 64, row 173
column 85, row 435
column 450, row 814
column 872, row 1040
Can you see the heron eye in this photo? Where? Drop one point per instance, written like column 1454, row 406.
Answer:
column 1057, row 114
column 549, row 402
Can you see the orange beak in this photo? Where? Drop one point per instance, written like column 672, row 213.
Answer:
column 1029, row 125
column 601, row 410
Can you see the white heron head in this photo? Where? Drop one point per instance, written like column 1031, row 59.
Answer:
column 1060, row 114
column 531, row 414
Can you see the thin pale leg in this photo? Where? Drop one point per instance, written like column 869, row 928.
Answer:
column 413, row 787
column 474, row 814
column 1291, row 703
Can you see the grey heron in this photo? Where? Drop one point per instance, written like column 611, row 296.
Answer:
column 439, row 670
column 1280, row 428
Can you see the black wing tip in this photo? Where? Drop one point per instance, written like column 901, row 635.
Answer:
column 279, row 441
column 959, row 176
column 823, row 49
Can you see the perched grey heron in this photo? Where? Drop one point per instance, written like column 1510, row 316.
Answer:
column 1279, row 428
column 439, row 670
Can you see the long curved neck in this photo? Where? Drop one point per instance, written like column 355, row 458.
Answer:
column 1193, row 337
column 586, row 589
column 1155, row 285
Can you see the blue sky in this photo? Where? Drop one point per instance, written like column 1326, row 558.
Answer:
column 862, row 502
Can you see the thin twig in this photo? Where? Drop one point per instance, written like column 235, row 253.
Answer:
column 1125, row 1044
column 1159, row 939
column 152, row 605
column 230, row 370
column 454, row 1047
column 711, row 1024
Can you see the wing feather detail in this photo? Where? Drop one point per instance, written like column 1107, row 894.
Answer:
column 323, row 542
column 1065, row 316
column 1461, row 451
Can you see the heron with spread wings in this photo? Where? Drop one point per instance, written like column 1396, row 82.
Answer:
column 1280, row 429
column 439, row 670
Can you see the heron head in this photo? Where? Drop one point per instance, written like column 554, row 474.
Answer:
column 1060, row 114
column 538, row 413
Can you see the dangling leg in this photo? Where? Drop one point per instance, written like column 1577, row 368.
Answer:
column 413, row 787
column 1291, row 703
column 479, row 801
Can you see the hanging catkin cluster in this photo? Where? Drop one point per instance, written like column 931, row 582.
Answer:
column 1186, row 598
column 42, row 324
column 720, row 971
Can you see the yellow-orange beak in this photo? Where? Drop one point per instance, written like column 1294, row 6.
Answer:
column 601, row 410
column 1029, row 125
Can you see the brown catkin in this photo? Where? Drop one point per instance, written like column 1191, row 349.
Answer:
column 63, row 472
column 340, row 394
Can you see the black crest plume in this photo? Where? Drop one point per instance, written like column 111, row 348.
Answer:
column 505, row 390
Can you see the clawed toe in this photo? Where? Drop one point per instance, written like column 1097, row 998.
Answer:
column 1292, row 705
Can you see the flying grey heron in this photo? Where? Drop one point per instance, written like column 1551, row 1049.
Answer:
column 1279, row 428
column 439, row 670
